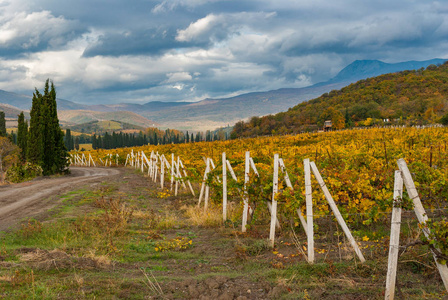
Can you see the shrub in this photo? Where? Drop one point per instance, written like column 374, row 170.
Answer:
column 19, row 172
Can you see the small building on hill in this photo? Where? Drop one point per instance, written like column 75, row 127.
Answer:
column 327, row 125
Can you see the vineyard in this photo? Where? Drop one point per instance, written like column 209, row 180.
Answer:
column 357, row 166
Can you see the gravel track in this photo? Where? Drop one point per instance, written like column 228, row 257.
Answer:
column 32, row 198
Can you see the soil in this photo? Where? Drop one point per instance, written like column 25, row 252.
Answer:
column 35, row 198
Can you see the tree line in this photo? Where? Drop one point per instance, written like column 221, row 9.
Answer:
column 151, row 136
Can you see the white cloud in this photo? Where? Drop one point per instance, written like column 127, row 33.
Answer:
column 27, row 30
column 198, row 28
column 178, row 76
column 169, row 5
column 216, row 28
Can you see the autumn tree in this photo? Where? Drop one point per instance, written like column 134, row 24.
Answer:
column 336, row 117
column 7, row 150
column 2, row 124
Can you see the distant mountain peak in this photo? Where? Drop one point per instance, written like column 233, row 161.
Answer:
column 361, row 69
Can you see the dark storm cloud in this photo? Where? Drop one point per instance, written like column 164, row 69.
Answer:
column 174, row 50
column 138, row 42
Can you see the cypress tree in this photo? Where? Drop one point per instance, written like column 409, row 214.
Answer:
column 22, row 135
column 68, row 139
column 34, row 152
column 94, row 141
column 2, row 124
column 77, row 143
column 45, row 138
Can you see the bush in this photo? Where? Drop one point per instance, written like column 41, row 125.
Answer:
column 19, row 172
column 444, row 119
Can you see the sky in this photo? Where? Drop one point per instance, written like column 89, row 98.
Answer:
column 114, row 51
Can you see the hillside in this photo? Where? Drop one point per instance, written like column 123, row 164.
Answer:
column 11, row 111
column 100, row 127
column 413, row 97
column 72, row 117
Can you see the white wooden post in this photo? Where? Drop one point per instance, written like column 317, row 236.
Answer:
column 188, row 181
column 207, row 169
column 309, row 211
column 156, row 168
column 394, row 238
column 289, row 185
column 252, row 164
column 177, row 174
column 336, row 212
column 162, row 172
column 274, row 201
column 207, row 187
column 172, row 171
column 181, row 165
column 232, row 173
column 207, row 194
column 224, row 187
column 277, row 224
column 246, row 195
column 132, row 158
column 420, row 212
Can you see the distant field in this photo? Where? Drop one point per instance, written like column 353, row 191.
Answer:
column 87, row 147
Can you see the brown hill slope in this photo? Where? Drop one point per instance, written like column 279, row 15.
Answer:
column 71, row 117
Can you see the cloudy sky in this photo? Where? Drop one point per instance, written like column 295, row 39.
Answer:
column 111, row 51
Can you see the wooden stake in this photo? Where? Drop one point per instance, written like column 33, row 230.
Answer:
column 246, row 195
column 224, row 187
column 394, row 238
column 207, row 169
column 289, row 185
column 172, row 171
column 309, row 211
column 420, row 212
column 274, row 201
column 177, row 175
column 336, row 212
column 162, row 172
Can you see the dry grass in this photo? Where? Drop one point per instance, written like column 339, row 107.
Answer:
column 57, row 259
column 211, row 218
column 169, row 220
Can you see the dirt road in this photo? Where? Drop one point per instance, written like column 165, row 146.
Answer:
column 35, row 197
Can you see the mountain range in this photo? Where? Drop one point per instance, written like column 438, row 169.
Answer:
column 209, row 113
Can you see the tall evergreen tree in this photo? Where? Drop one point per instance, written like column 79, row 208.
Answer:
column 34, row 146
column 68, row 139
column 94, row 146
column 22, row 135
column 2, row 124
column 76, row 143
column 45, row 138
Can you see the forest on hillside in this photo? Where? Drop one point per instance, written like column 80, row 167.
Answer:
column 414, row 97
